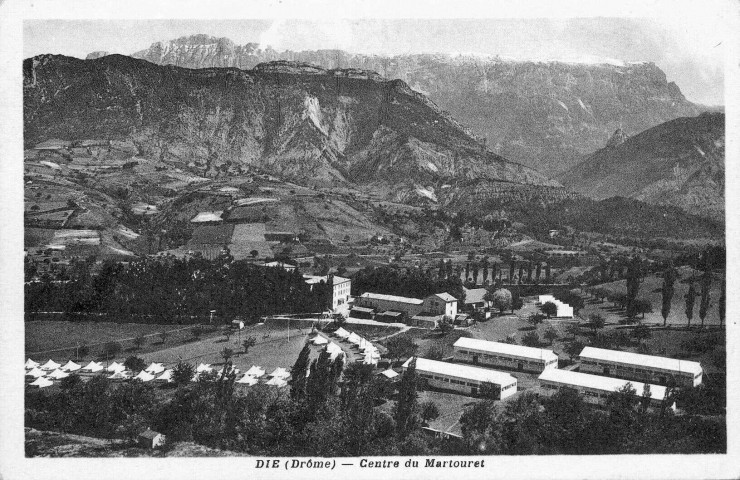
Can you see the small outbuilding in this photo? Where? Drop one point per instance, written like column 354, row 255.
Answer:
column 150, row 439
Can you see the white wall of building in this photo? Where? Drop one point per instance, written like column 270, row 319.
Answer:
column 638, row 373
column 502, row 360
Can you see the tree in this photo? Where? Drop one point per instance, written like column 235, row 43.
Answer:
column 596, row 322
column 634, row 278
column 139, row 341
column 406, row 409
column 70, row 382
column 550, row 334
column 489, row 391
column 429, row 411
column 248, row 342
column 706, row 282
column 642, row 306
column 446, row 325
column 722, row 302
column 400, row 346
column 500, row 299
column 549, row 309
column 134, row 363
column 574, row 348
column 641, row 332
column 690, row 297
column 573, row 329
column 531, row 339
column 299, row 373
column 669, row 278
column 83, row 350
column 535, row 319
column 111, row 349
column 182, row 373
column 645, row 397
column 435, row 353
column 226, row 354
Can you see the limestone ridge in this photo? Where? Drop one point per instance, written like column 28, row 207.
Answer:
column 680, row 162
column 546, row 115
column 295, row 120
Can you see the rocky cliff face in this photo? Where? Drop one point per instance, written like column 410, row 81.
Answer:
column 679, row 163
column 295, row 120
column 544, row 115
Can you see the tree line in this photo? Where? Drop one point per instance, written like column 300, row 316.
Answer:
column 172, row 290
column 406, row 282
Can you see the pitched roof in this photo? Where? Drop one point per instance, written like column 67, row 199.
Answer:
column 458, row 370
column 597, row 382
column 650, row 361
column 474, row 295
column 391, row 298
column 446, row 297
column 505, row 348
column 150, row 434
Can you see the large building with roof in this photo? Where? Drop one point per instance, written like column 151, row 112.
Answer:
column 595, row 389
column 340, row 290
column 497, row 354
column 462, row 378
column 635, row 366
column 428, row 311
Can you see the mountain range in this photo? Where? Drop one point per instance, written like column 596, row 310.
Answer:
column 680, row 163
column 297, row 121
column 546, row 115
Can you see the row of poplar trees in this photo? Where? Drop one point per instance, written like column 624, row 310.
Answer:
column 670, row 275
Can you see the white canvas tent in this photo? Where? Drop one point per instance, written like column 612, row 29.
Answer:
column 36, row 372
column 204, row 367
column 319, row 340
column 255, row 371
column 334, row 350
column 277, row 382
column 71, row 366
column 247, row 380
column 42, row 382
column 57, row 374
column 50, row 365
column 166, row 376
column 341, row 333
column 369, row 360
column 31, row 364
column 280, row 372
column 144, row 376
column 155, row 368
column 116, row 367
column 389, row 373
column 120, row 375
column 93, row 367
column 354, row 338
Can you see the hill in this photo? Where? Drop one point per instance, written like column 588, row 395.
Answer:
column 679, row 163
column 546, row 115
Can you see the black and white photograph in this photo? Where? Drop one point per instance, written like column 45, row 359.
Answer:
column 343, row 243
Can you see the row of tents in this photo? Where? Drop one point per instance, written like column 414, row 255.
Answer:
column 370, row 351
column 45, row 374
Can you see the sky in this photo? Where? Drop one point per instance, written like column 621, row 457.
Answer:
column 689, row 50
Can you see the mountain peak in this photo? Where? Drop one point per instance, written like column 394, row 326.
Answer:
column 617, row 138
column 95, row 55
